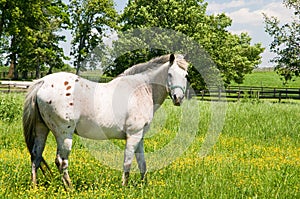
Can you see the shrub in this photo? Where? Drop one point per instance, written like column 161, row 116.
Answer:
column 11, row 107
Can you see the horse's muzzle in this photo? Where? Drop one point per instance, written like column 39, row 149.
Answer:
column 177, row 100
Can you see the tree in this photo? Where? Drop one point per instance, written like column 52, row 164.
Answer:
column 29, row 33
column 232, row 54
column 42, row 49
column 91, row 21
column 286, row 42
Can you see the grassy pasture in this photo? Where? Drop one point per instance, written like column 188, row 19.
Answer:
column 256, row 156
column 267, row 78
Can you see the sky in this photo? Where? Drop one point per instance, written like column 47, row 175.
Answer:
column 246, row 15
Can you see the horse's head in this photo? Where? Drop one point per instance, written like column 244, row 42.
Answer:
column 177, row 78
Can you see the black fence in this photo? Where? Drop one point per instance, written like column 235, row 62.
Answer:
column 244, row 92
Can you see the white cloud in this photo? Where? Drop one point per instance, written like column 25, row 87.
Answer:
column 217, row 7
column 277, row 9
column 242, row 12
column 245, row 16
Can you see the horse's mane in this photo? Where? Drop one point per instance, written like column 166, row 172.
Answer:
column 154, row 63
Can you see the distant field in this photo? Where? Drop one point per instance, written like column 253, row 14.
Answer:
column 266, row 79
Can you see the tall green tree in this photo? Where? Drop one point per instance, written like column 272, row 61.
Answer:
column 286, row 42
column 10, row 28
column 31, row 29
column 91, row 21
column 233, row 54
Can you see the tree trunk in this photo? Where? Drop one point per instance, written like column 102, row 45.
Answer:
column 78, row 64
column 13, row 71
column 37, row 70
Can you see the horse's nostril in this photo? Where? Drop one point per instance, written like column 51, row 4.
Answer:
column 175, row 97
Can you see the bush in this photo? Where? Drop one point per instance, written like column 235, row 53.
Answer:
column 11, row 107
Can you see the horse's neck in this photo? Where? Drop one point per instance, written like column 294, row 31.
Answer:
column 158, row 82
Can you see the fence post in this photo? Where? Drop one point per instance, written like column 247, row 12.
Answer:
column 279, row 96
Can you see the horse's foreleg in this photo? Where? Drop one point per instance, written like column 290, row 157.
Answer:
column 63, row 150
column 132, row 143
column 140, row 158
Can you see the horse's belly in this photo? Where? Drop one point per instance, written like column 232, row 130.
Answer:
column 91, row 130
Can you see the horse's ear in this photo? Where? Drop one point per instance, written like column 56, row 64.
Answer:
column 186, row 57
column 172, row 58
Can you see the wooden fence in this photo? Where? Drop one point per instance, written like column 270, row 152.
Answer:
column 243, row 92
column 14, row 86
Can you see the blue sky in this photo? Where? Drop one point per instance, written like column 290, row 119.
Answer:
column 247, row 17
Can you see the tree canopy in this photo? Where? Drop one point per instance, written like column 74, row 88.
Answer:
column 29, row 36
column 233, row 54
column 91, row 21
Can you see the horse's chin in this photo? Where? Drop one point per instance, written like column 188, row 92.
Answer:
column 177, row 102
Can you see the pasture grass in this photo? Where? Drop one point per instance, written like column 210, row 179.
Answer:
column 265, row 78
column 256, row 156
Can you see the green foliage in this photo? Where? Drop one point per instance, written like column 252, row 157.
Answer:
column 29, row 29
column 11, row 107
column 233, row 54
column 286, row 43
column 91, row 21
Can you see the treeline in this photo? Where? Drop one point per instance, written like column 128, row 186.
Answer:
column 30, row 35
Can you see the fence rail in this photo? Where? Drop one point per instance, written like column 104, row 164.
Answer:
column 14, row 86
column 239, row 92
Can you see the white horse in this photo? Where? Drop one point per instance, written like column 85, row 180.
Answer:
column 121, row 109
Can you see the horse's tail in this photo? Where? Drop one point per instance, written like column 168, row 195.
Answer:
column 31, row 115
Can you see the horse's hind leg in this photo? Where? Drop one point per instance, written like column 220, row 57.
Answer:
column 37, row 150
column 64, row 145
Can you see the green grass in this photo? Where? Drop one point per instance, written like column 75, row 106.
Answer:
column 256, row 156
column 266, row 79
